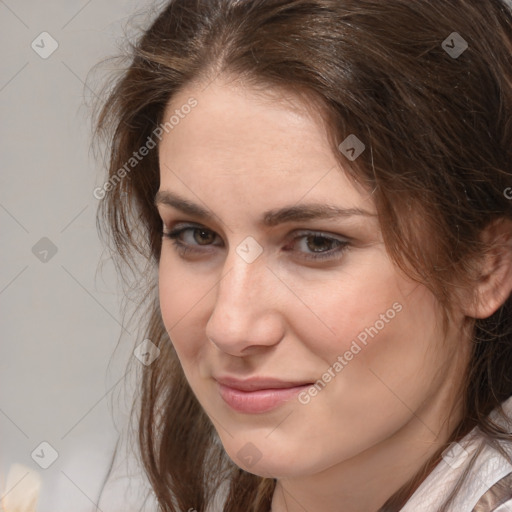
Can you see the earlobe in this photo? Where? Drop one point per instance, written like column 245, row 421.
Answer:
column 494, row 282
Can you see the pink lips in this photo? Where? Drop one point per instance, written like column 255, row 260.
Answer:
column 257, row 395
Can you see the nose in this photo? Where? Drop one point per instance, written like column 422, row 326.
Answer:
column 245, row 316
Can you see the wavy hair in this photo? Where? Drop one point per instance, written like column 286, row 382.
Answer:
column 438, row 132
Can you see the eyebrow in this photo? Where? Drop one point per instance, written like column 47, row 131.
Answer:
column 295, row 213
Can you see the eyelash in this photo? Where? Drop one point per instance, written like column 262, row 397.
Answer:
column 184, row 248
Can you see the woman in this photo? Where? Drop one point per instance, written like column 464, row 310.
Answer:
column 322, row 185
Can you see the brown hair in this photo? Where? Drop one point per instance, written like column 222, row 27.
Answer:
column 438, row 133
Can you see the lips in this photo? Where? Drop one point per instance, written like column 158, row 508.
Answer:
column 258, row 383
column 259, row 394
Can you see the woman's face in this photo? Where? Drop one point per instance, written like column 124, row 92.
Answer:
column 282, row 290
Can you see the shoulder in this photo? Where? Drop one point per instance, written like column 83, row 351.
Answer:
column 488, row 486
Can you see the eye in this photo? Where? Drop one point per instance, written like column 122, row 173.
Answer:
column 309, row 245
column 186, row 237
column 318, row 245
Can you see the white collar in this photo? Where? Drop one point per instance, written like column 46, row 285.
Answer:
column 490, row 467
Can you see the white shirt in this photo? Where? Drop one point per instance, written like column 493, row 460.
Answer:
column 481, row 491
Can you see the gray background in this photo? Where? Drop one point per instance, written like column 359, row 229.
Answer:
column 60, row 318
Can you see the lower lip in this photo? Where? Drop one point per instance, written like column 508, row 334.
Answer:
column 258, row 401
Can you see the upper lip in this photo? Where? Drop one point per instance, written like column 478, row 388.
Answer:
column 258, row 383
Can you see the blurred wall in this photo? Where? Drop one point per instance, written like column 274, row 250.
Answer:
column 59, row 318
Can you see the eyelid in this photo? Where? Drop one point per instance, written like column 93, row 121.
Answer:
column 320, row 233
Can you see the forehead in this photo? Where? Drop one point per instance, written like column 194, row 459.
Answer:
column 241, row 142
column 233, row 118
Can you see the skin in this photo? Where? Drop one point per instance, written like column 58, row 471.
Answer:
column 374, row 425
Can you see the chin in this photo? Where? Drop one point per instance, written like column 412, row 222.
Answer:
column 269, row 458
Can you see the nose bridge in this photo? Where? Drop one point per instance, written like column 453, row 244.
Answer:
column 241, row 286
column 242, row 314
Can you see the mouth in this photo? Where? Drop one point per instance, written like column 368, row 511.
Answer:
column 257, row 395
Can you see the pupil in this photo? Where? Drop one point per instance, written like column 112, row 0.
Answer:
column 204, row 236
column 319, row 243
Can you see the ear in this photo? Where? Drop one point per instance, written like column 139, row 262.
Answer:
column 493, row 283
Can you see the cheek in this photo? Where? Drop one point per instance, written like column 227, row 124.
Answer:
column 411, row 360
column 386, row 361
column 180, row 296
column 364, row 305
column 369, row 394
column 377, row 335
column 172, row 301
